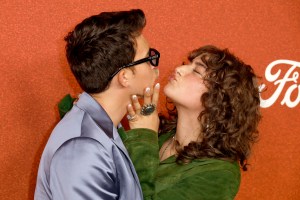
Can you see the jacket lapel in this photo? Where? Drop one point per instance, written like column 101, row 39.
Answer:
column 101, row 118
column 118, row 142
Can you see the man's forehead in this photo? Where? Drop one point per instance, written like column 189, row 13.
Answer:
column 142, row 45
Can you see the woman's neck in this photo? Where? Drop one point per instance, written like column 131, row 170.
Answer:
column 188, row 127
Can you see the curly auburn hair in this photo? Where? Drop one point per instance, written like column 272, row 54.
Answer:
column 231, row 111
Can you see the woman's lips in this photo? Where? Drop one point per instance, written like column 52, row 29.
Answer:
column 172, row 77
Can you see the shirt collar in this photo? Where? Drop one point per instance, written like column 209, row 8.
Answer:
column 98, row 114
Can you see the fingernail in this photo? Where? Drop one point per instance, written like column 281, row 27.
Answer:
column 129, row 105
column 134, row 97
column 157, row 85
column 147, row 90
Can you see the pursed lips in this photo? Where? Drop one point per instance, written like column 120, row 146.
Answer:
column 173, row 77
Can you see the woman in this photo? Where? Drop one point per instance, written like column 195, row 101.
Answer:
column 207, row 137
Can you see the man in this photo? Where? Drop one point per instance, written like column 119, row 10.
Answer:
column 85, row 157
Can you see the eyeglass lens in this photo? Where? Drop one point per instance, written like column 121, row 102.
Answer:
column 154, row 60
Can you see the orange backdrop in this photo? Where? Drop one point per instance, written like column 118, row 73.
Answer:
column 35, row 76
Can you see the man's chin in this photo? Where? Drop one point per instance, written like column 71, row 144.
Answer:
column 140, row 96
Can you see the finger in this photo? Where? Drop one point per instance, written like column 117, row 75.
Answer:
column 147, row 96
column 136, row 104
column 130, row 110
column 155, row 95
column 131, row 114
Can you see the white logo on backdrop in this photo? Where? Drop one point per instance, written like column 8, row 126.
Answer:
column 290, row 76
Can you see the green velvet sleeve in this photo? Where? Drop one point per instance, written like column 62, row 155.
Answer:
column 142, row 146
column 65, row 105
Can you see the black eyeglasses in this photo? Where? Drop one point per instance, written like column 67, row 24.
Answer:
column 153, row 58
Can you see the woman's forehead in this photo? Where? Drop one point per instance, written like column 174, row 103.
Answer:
column 199, row 60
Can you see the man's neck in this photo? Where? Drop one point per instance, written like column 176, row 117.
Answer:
column 114, row 103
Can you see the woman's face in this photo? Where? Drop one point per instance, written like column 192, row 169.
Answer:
column 186, row 85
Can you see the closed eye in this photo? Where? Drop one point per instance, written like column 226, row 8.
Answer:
column 194, row 70
column 197, row 71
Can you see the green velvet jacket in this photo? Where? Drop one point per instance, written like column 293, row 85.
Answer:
column 199, row 180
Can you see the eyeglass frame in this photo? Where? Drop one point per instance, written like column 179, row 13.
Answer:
column 137, row 62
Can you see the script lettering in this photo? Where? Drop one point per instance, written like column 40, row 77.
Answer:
column 290, row 76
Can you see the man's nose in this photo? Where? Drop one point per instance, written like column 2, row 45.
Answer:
column 156, row 71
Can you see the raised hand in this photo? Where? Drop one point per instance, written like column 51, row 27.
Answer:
column 145, row 116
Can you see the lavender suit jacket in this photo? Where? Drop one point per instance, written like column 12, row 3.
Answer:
column 86, row 159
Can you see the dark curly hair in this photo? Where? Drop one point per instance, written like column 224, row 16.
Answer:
column 102, row 43
column 231, row 111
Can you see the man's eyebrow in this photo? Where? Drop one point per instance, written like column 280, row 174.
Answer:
column 148, row 52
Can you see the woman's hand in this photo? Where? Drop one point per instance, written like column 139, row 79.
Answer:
column 137, row 118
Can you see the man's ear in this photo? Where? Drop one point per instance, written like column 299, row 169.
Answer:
column 124, row 77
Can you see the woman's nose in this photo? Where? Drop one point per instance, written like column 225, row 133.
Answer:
column 177, row 71
column 181, row 70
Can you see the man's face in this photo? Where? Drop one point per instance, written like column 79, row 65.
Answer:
column 144, row 74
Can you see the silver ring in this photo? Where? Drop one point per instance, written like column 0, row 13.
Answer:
column 129, row 117
column 148, row 109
